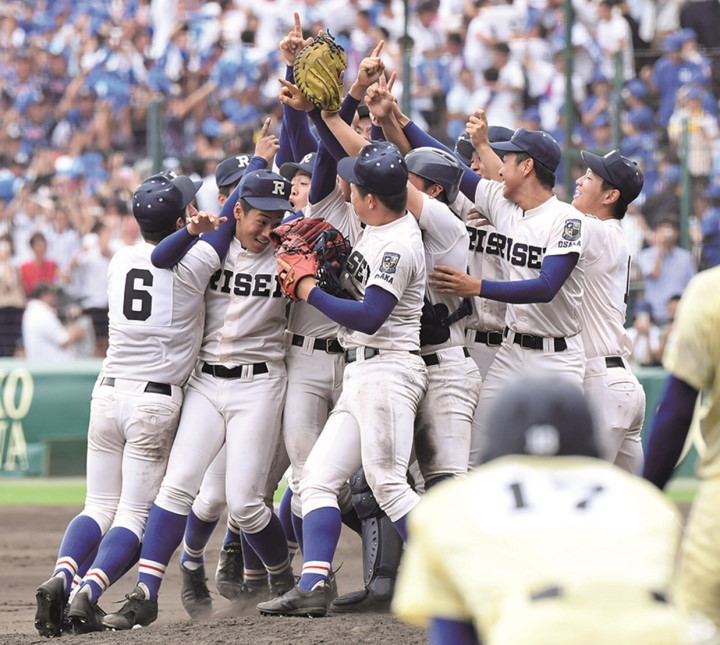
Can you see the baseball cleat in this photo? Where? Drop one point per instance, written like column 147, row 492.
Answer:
column 229, row 573
column 282, row 583
column 138, row 611
column 363, row 601
column 296, row 602
column 194, row 592
column 84, row 616
column 50, row 598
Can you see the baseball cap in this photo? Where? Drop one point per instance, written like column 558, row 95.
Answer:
column 713, row 189
column 266, row 190
column 672, row 43
column 161, row 199
column 544, row 417
column 692, row 92
column 636, row 88
column 306, row 164
column 363, row 111
column 641, row 117
column 538, row 144
column 620, row 171
column 228, row 171
column 379, row 168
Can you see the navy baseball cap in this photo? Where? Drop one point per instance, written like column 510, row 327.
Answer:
column 379, row 168
column 544, row 417
column 161, row 199
column 306, row 164
column 538, row 144
column 266, row 191
column 231, row 170
column 464, row 147
column 620, row 171
column 642, row 117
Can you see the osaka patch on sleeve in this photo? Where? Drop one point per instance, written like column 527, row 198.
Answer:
column 571, row 232
column 390, row 262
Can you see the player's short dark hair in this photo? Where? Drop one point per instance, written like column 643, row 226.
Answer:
column 396, row 203
column 226, row 190
column 545, row 176
column 619, row 207
column 156, row 237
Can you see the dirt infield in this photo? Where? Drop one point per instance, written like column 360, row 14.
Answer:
column 29, row 539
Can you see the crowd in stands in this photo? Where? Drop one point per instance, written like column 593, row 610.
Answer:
column 80, row 78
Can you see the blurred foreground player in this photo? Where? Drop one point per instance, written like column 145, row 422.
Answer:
column 546, row 543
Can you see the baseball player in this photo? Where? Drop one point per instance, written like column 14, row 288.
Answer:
column 236, row 576
column 234, row 397
column 692, row 357
column 540, row 240
column 486, row 318
column 156, row 318
column 384, row 379
column 535, row 544
column 616, row 396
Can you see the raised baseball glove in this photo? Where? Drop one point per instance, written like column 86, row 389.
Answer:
column 310, row 246
column 318, row 72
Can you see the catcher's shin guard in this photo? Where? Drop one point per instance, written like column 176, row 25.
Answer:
column 382, row 550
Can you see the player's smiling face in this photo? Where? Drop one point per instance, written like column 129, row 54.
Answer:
column 589, row 195
column 512, row 174
column 253, row 227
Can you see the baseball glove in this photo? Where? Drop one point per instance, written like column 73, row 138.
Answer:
column 332, row 250
column 318, row 72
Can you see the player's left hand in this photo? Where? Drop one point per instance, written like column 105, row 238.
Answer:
column 448, row 280
column 291, row 95
column 202, row 221
column 304, row 287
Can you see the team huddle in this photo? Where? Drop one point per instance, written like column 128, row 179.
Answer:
column 459, row 273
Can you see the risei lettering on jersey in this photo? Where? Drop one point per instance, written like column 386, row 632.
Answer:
column 16, row 395
column 246, row 284
column 518, row 254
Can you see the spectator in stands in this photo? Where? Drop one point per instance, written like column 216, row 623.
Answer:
column 701, row 128
column 665, row 201
column 613, row 36
column 666, row 267
column 45, row 338
column 640, row 144
column 710, row 228
column 703, row 17
column 667, row 327
column 502, row 98
column 39, row 269
column 12, row 300
column 645, row 337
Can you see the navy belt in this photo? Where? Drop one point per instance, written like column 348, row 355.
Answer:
column 220, row 371
column 614, row 361
column 529, row 341
column 434, row 359
column 489, row 338
column 151, row 387
column 329, row 345
column 351, row 355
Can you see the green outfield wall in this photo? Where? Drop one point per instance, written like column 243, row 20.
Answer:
column 45, row 408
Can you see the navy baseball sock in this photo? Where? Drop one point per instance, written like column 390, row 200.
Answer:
column 163, row 534
column 232, row 533
column 254, row 572
column 297, row 524
column 271, row 545
column 321, row 529
column 117, row 548
column 285, row 515
column 401, row 527
column 81, row 537
column 197, row 535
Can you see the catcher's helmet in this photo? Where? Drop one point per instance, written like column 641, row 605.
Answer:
column 464, row 147
column 437, row 166
column 543, row 417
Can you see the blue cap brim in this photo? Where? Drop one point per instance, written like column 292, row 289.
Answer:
column 269, row 203
column 346, row 170
column 506, row 146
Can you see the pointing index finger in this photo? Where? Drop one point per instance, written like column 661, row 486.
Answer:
column 265, row 127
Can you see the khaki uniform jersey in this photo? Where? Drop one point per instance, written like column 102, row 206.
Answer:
column 570, row 543
column 615, row 394
column 693, row 355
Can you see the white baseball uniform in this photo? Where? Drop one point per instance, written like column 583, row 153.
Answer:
column 484, row 326
column 384, row 379
column 156, row 320
column 616, row 396
column 236, row 392
column 522, row 240
column 444, row 417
